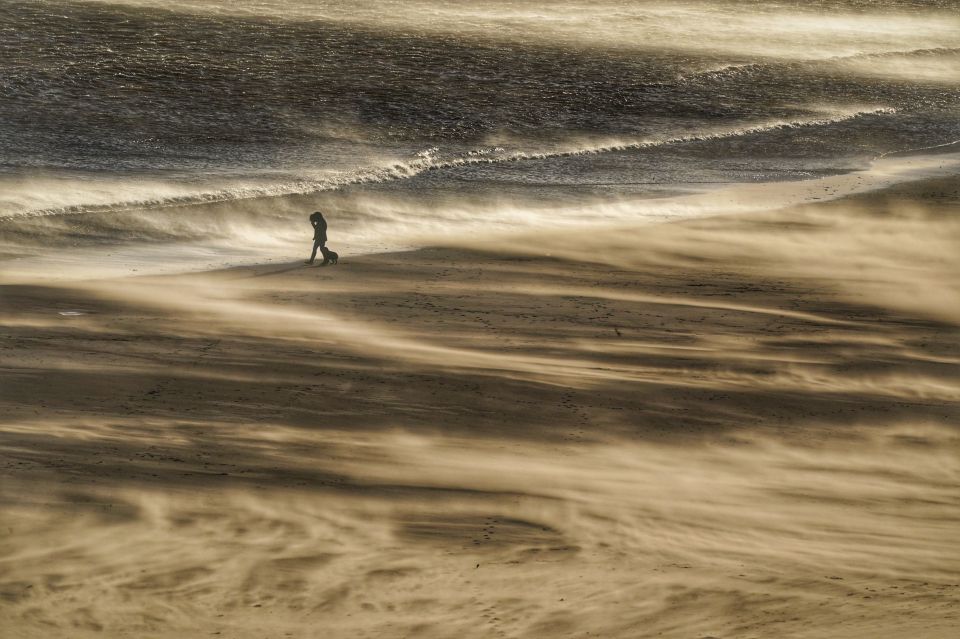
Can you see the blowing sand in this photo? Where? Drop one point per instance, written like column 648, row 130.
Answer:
column 736, row 426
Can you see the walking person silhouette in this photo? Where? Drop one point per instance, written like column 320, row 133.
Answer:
column 320, row 240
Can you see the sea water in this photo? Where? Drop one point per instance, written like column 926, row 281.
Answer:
column 151, row 122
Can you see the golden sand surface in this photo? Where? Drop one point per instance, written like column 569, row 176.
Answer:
column 734, row 426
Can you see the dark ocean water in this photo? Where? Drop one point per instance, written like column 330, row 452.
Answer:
column 111, row 107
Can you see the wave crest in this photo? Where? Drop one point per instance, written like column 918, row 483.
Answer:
column 431, row 159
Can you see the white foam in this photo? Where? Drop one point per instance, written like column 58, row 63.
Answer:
column 398, row 228
column 42, row 196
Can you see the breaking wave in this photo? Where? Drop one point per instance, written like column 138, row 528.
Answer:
column 434, row 159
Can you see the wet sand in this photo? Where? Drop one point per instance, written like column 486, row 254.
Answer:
column 734, row 426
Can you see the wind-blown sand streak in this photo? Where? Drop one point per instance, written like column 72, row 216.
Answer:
column 736, row 426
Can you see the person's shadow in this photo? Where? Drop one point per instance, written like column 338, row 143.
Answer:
column 279, row 271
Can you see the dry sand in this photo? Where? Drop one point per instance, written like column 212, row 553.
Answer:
column 740, row 426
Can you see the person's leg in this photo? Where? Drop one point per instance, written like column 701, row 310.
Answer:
column 313, row 255
column 326, row 254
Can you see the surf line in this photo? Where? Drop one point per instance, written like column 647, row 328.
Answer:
column 427, row 161
column 922, row 148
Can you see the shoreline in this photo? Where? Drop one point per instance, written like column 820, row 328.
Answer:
column 105, row 261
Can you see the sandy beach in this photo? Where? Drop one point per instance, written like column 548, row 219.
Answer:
column 737, row 425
